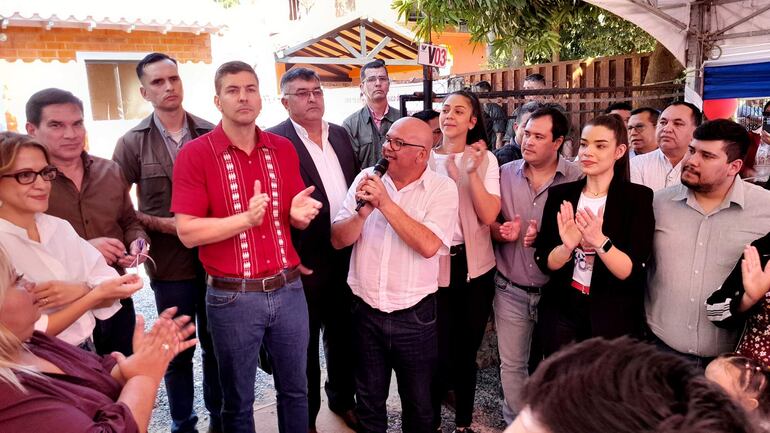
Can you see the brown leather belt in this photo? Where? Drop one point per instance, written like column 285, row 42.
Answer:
column 267, row 284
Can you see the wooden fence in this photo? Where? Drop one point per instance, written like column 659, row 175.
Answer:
column 583, row 87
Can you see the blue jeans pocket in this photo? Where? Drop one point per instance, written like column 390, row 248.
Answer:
column 220, row 298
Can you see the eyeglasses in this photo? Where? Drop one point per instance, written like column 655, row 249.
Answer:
column 27, row 177
column 637, row 128
column 305, row 94
column 397, row 144
column 381, row 78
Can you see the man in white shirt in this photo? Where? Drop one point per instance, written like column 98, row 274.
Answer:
column 327, row 162
column 397, row 237
column 662, row 167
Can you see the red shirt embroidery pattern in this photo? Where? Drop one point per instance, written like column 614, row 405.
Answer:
column 213, row 178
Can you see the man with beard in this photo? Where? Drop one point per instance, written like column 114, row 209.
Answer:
column 701, row 228
column 662, row 167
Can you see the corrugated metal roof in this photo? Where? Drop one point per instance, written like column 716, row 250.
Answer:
column 194, row 16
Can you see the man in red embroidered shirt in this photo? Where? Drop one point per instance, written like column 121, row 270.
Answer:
column 237, row 191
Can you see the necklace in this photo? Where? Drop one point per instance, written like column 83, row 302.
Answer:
column 596, row 194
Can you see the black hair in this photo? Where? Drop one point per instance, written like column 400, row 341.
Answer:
column 426, row 115
column 46, row 97
column 303, row 74
column 149, row 59
column 735, row 137
column 615, row 123
column 697, row 115
column 625, row 386
column 375, row 64
column 653, row 113
column 529, row 107
column 478, row 132
column 559, row 122
column 230, row 68
column 484, row 86
column 539, row 78
column 618, row 106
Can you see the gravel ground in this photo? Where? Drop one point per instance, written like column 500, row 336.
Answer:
column 487, row 416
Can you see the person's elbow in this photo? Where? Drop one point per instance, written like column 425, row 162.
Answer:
column 430, row 248
column 338, row 236
column 493, row 210
column 185, row 231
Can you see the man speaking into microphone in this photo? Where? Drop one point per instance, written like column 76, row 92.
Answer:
column 397, row 237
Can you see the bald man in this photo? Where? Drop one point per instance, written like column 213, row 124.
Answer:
column 397, row 237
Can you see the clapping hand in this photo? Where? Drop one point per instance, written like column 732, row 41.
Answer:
column 451, row 167
column 590, row 226
column 510, row 230
column 153, row 350
column 304, row 208
column 473, row 154
column 255, row 214
column 531, row 234
column 568, row 230
column 756, row 281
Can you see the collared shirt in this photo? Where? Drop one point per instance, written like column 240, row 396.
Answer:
column 694, row 253
column 378, row 120
column 145, row 162
column 366, row 136
column 215, row 179
column 515, row 262
column 384, row 271
column 328, row 166
column 173, row 141
column 60, row 255
column 654, row 170
column 102, row 207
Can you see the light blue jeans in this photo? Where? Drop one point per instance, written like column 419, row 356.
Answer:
column 515, row 317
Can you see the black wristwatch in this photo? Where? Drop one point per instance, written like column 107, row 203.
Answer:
column 605, row 246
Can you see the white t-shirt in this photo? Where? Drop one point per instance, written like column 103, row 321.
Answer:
column 585, row 255
column 491, row 182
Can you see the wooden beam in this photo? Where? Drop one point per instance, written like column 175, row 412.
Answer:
column 362, row 35
column 348, row 47
column 385, row 41
column 342, row 61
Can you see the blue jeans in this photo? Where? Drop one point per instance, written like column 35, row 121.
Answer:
column 189, row 297
column 240, row 322
column 404, row 341
column 515, row 318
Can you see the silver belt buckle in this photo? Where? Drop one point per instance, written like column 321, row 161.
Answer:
column 271, row 279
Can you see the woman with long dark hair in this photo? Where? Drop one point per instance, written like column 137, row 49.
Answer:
column 595, row 243
column 466, row 286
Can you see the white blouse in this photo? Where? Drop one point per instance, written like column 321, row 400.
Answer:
column 60, row 255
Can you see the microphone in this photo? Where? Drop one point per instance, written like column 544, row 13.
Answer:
column 379, row 169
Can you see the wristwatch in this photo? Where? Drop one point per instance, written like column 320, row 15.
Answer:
column 605, row 246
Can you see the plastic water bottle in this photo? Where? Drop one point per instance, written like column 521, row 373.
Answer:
column 762, row 163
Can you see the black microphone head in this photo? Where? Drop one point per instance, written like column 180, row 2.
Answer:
column 382, row 166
